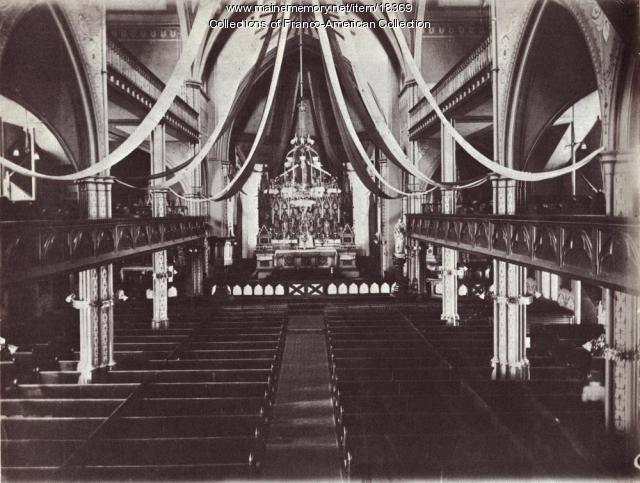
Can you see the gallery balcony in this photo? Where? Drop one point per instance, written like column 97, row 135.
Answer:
column 39, row 248
column 130, row 79
column 598, row 249
column 468, row 79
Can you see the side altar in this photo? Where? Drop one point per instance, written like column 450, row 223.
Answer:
column 305, row 217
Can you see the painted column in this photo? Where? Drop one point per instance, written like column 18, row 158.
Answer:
column 420, row 253
column 206, row 256
column 449, row 256
column 159, row 210
column 95, row 287
column 509, row 306
column 622, row 314
column 196, row 272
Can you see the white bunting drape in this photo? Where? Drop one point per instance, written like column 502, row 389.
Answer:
column 334, row 82
column 377, row 117
column 247, row 166
column 462, row 142
column 181, row 72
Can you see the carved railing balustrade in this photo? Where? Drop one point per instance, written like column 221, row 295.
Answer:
column 598, row 249
column 35, row 249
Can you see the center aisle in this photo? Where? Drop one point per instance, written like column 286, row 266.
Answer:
column 302, row 441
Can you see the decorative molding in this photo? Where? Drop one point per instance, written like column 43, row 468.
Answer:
column 455, row 28
column 145, row 33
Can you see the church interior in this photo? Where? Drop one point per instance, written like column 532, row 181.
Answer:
column 318, row 240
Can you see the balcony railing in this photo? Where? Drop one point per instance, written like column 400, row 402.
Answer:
column 35, row 249
column 463, row 80
column 599, row 249
column 134, row 79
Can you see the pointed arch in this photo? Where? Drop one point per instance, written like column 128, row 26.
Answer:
column 42, row 70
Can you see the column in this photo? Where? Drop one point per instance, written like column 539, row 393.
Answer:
column 622, row 374
column 449, row 256
column 206, row 257
column 360, row 200
column 159, row 210
column 250, row 212
column 509, row 306
column 196, row 272
column 95, row 288
column 383, row 223
column 576, row 291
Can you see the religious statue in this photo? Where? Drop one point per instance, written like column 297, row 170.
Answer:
column 399, row 235
column 327, row 227
column 399, row 258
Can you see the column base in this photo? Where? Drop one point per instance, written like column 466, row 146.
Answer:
column 453, row 320
column 86, row 374
column 514, row 371
column 160, row 324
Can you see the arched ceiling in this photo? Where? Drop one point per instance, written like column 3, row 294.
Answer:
column 228, row 79
column 37, row 71
column 218, row 39
column 550, row 83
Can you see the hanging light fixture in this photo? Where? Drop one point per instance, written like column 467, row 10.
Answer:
column 304, row 179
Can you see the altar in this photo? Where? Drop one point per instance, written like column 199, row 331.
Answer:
column 310, row 258
column 334, row 260
column 305, row 217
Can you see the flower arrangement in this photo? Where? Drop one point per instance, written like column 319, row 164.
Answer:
column 596, row 346
column 616, row 355
column 599, row 348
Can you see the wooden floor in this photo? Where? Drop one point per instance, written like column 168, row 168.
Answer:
column 300, row 390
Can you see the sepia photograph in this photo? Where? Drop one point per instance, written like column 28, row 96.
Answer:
column 319, row 240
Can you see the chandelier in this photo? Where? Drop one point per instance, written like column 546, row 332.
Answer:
column 304, row 180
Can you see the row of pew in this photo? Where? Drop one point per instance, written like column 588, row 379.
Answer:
column 565, row 435
column 188, row 401
column 401, row 412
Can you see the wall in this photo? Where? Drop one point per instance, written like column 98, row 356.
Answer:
column 452, row 35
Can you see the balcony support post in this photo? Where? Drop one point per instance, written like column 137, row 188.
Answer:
column 622, row 315
column 158, row 210
column 196, row 271
column 95, row 287
column 509, row 306
column 449, row 256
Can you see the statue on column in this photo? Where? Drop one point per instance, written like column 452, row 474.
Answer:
column 399, row 257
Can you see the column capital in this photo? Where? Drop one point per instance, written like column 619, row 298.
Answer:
column 193, row 83
column 95, row 196
column 158, row 189
column 503, row 183
column 617, row 162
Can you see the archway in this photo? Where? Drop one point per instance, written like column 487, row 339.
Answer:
column 555, row 115
column 41, row 72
